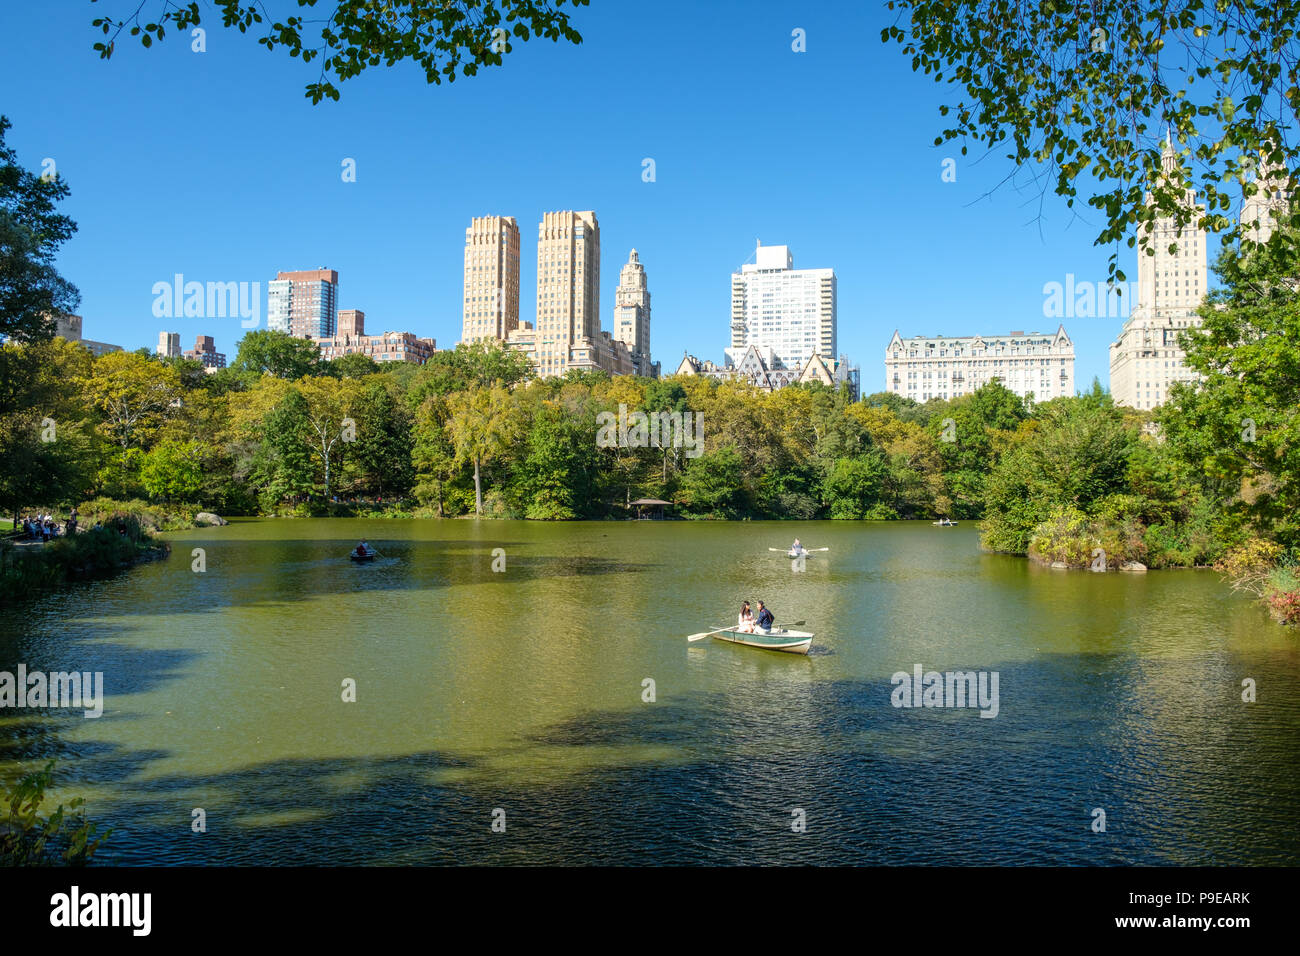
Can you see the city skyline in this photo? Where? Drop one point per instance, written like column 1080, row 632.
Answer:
column 397, row 230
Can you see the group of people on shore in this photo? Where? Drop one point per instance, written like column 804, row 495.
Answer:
column 752, row 623
column 43, row 527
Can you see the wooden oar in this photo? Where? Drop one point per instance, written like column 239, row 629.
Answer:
column 703, row 634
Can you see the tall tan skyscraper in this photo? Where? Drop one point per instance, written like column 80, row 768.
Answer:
column 491, row 279
column 568, row 291
column 1146, row 359
column 632, row 313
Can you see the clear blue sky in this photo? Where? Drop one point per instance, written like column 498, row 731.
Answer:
column 216, row 166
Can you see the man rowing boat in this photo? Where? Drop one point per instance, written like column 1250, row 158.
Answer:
column 764, row 620
column 362, row 550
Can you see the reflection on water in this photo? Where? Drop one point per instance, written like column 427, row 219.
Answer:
column 523, row 691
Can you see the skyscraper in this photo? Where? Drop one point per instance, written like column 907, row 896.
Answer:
column 1272, row 198
column 303, row 304
column 491, row 306
column 169, row 344
column 791, row 311
column 567, row 334
column 632, row 314
column 1146, row 359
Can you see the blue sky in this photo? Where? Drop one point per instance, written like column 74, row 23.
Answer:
column 216, row 166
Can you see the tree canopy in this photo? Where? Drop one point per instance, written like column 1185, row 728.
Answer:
column 1087, row 91
column 446, row 38
column 31, row 232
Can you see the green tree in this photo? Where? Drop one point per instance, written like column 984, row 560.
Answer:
column 558, row 478
column 351, row 365
column 854, row 486
column 713, row 484
column 31, row 289
column 282, row 464
column 482, row 425
column 133, row 395
column 444, row 39
column 173, row 470
column 1239, row 425
column 47, row 452
column 382, row 451
column 268, row 352
column 1075, row 457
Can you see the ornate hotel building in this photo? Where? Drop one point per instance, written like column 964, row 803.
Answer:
column 1146, row 359
column 925, row 367
column 791, row 311
column 491, row 306
column 632, row 315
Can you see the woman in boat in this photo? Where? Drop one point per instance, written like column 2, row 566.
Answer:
column 746, row 620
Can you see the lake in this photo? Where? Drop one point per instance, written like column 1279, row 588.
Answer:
column 520, row 697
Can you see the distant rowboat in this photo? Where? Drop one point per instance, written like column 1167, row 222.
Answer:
column 780, row 639
column 945, row 524
column 363, row 555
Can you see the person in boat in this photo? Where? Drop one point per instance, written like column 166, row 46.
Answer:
column 796, row 547
column 362, row 550
column 765, row 619
column 746, row 620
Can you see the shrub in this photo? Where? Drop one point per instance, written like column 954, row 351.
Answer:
column 29, row 839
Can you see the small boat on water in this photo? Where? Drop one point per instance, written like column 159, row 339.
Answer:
column 779, row 639
column 945, row 523
column 799, row 552
column 356, row 555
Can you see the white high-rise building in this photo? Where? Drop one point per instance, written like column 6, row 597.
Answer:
column 1146, row 359
column 169, row 344
column 632, row 314
column 791, row 311
column 938, row 366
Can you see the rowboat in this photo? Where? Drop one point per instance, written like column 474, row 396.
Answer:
column 945, row 524
column 366, row 556
column 780, row 639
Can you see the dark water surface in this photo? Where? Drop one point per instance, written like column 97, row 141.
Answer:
column 523, row 691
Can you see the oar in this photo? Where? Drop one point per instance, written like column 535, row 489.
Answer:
column 703, row 634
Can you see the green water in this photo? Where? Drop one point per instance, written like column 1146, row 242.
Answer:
column 522, row 691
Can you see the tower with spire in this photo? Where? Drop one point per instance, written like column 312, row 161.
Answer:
column 1146, row 359
column 632, row 314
